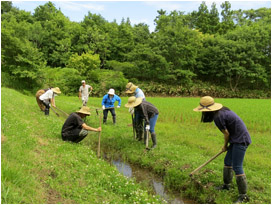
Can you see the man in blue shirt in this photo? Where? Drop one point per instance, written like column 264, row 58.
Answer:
column 138, row 121
column 108, row 105
column 236, row 135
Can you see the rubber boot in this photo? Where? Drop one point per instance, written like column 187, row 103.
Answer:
column 227, row 178
column 139, row 135
column 114, row 120
column 242, row 188
column 104, row 121
column 154, row 140
column 46, row 112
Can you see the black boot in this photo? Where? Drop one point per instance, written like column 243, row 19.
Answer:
column 227, row 178
column 104, row 121
column 154, row 140
column 242, row 188
column 46, row 112
column 114, row 119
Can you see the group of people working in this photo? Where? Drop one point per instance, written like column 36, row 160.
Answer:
column 236, row 135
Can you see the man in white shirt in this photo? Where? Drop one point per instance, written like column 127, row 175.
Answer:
column 49, row 97
column 84, row 92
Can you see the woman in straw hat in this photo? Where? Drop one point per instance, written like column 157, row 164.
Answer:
column 149, row 112
column 138, row 123
column 49, row 98
column 74, row 129
column 236, row 135
column 108, row 105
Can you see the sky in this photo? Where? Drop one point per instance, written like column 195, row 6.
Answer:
column 136, row 11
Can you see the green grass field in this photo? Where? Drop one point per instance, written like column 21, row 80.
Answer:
column 38, row 167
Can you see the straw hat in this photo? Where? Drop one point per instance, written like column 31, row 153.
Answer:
column 130, row 88
column 56, row 90
column 207, row 104
column 133, row 101
column 84, row 110
column 111, row 92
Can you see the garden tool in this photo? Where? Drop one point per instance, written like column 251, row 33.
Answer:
column 193, row 172
column 99, row 137
column 62, row 111
column 55, row 111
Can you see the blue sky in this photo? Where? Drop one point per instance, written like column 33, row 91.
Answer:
column 137, row 11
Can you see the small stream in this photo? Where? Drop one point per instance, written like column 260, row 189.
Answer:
column 144, row 175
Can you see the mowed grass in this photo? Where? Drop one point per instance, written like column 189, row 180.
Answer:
column 72, row 174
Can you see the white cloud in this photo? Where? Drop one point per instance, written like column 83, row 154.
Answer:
column 78, row 6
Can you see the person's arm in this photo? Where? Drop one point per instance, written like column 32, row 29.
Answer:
column 79, row 94
column 226, row 139
column 52, row 100
column 86, row 127
column 119, row 101
column 145, row 113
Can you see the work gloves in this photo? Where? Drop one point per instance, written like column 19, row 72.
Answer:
column 147, row 127
column 103, row 107
column 118, row 106
column 131, row 110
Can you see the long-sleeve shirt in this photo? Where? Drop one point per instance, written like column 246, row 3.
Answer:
column 147, row 110
column 109, row 102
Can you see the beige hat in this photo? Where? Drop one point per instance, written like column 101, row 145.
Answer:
column 84, row 110
column 130, row 88
column 111, row 92
column 56, row 90
column 83, row 81
column 133, row 101
column 207, row 104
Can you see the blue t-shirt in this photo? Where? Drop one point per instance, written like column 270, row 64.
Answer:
column 228, row 120
column 139, row 93
column 109, row 102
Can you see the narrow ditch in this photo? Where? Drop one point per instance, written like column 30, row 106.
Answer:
column 144, row 175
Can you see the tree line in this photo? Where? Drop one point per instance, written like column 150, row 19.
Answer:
column 203, row 49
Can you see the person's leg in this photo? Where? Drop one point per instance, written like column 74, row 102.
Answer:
column 138, row 123
column 83, row 133
column 47, row 107
column 238, row 155
column 113, row 115
column 152, row 122
column 105, row 115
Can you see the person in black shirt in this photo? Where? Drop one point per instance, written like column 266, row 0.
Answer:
column 149, row 113
column 236, row 135
column 74, row 129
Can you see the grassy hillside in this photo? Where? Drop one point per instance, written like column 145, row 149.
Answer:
column 38, row 167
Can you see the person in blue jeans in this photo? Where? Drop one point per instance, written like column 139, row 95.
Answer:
column 108, row 105
column 236, row 136
column 149, row 113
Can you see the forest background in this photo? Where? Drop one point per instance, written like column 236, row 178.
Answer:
column 194, row 54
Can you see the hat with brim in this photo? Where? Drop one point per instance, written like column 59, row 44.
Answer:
column 131, row 88
column 84, row 110
column 133, row 101
column 56, row 90
column 207, row 104
column 111, row 92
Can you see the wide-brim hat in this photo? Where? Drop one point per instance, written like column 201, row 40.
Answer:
column 84, row 110
column 207, row 104
column 111, row 92
column 56, row 90
column 130, row 88
column 133, row 101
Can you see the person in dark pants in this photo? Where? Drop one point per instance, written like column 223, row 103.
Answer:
column 108, row 105
column 48, row 98
column 138, row 123
column 74, row 129
column 149, row 112
column 236, row 136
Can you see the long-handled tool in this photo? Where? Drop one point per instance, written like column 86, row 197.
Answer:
column 99, row 137
column 193, row 172
column 62, row 111
column 54, row 111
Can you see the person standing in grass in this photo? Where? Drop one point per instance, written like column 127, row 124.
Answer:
column 74, row 129
column 149, row 112
column 236, row 142
column 48, row 98
column 84, row 92
column 108, row 105
column 138, row 123
column 39, row 102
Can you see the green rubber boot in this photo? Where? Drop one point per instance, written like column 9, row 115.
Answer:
column 227, row 178
column 242, row 187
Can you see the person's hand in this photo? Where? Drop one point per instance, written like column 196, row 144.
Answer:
column 118, row 106
column 131, row 110
column 147, row 127
column 99, row 129
column 224, row 148
column 103, row 107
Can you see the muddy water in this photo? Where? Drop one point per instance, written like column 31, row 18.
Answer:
column 144, row 175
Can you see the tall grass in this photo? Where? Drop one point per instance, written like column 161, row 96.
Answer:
column 74, row 175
